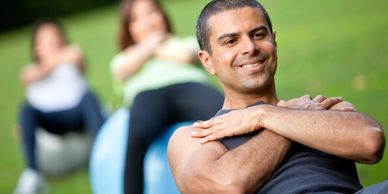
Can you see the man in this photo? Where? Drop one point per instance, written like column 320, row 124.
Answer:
column 266, row 145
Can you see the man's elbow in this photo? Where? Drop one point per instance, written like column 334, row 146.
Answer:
column 212, row 185
column 374, row 145
column 229, row 185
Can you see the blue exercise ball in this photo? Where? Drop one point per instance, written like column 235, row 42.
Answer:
column 107, row 159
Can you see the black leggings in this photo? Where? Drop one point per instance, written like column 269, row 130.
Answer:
column 154, row 111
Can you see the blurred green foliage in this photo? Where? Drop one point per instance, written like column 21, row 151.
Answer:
column 330, row 47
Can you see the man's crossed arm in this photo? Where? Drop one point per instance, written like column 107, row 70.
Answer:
column 201, row 165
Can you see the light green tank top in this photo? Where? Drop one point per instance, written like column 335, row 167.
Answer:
column 157, row 73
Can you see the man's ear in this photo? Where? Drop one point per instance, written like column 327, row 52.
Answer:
column 204, row 56
column 274, row 38
column 275, row 43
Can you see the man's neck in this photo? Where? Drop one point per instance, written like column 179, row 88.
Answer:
column 235, row 100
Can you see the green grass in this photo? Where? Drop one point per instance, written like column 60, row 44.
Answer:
column 330, row 47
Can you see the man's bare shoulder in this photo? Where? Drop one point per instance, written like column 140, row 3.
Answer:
column 182, row 147
column 182, row 132
column 181, row 143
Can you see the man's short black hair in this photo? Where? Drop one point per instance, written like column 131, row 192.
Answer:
column 216, row 6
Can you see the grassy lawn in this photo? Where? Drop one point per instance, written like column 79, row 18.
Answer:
column 330, row 47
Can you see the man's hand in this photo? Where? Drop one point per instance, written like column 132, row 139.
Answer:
column 318, row 103
column 234, row 123
column 344, row 106
column 306, row 103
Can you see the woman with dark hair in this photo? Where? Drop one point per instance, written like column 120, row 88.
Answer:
column 160, row 84
column 58, row 98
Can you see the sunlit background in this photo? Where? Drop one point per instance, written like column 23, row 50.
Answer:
column 329, row 47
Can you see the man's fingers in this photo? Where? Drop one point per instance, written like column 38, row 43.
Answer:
column 210, row 134
column 329, row 102
column 281, row 103
column 346, row 109
column 197, row 123
column 319, row 98
column 343, row 106
column 203, row 124
column 307, row 97
column 212, row 137
column 200, row 133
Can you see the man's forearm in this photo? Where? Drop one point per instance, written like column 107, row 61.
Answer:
column 350, row 135
column 248, row 166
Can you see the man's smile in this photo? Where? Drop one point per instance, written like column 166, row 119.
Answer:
column 253, row 66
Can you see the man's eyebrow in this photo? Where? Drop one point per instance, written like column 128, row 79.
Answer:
column 258, row 28
column 226, row 35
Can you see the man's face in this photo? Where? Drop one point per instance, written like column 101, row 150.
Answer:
column 243, row 51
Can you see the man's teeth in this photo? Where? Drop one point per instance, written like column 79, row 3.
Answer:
column 250, row 65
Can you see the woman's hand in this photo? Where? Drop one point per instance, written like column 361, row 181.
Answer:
column 155, row 40
column 134, row 57
column 38, row 71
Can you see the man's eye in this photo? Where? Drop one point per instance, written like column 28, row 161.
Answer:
column 258, row 36
column 230, row 42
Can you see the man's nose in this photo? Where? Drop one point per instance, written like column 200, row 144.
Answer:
column 249, row 47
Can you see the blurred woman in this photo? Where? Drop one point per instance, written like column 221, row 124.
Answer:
column 160, row 84
column 58, row 99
